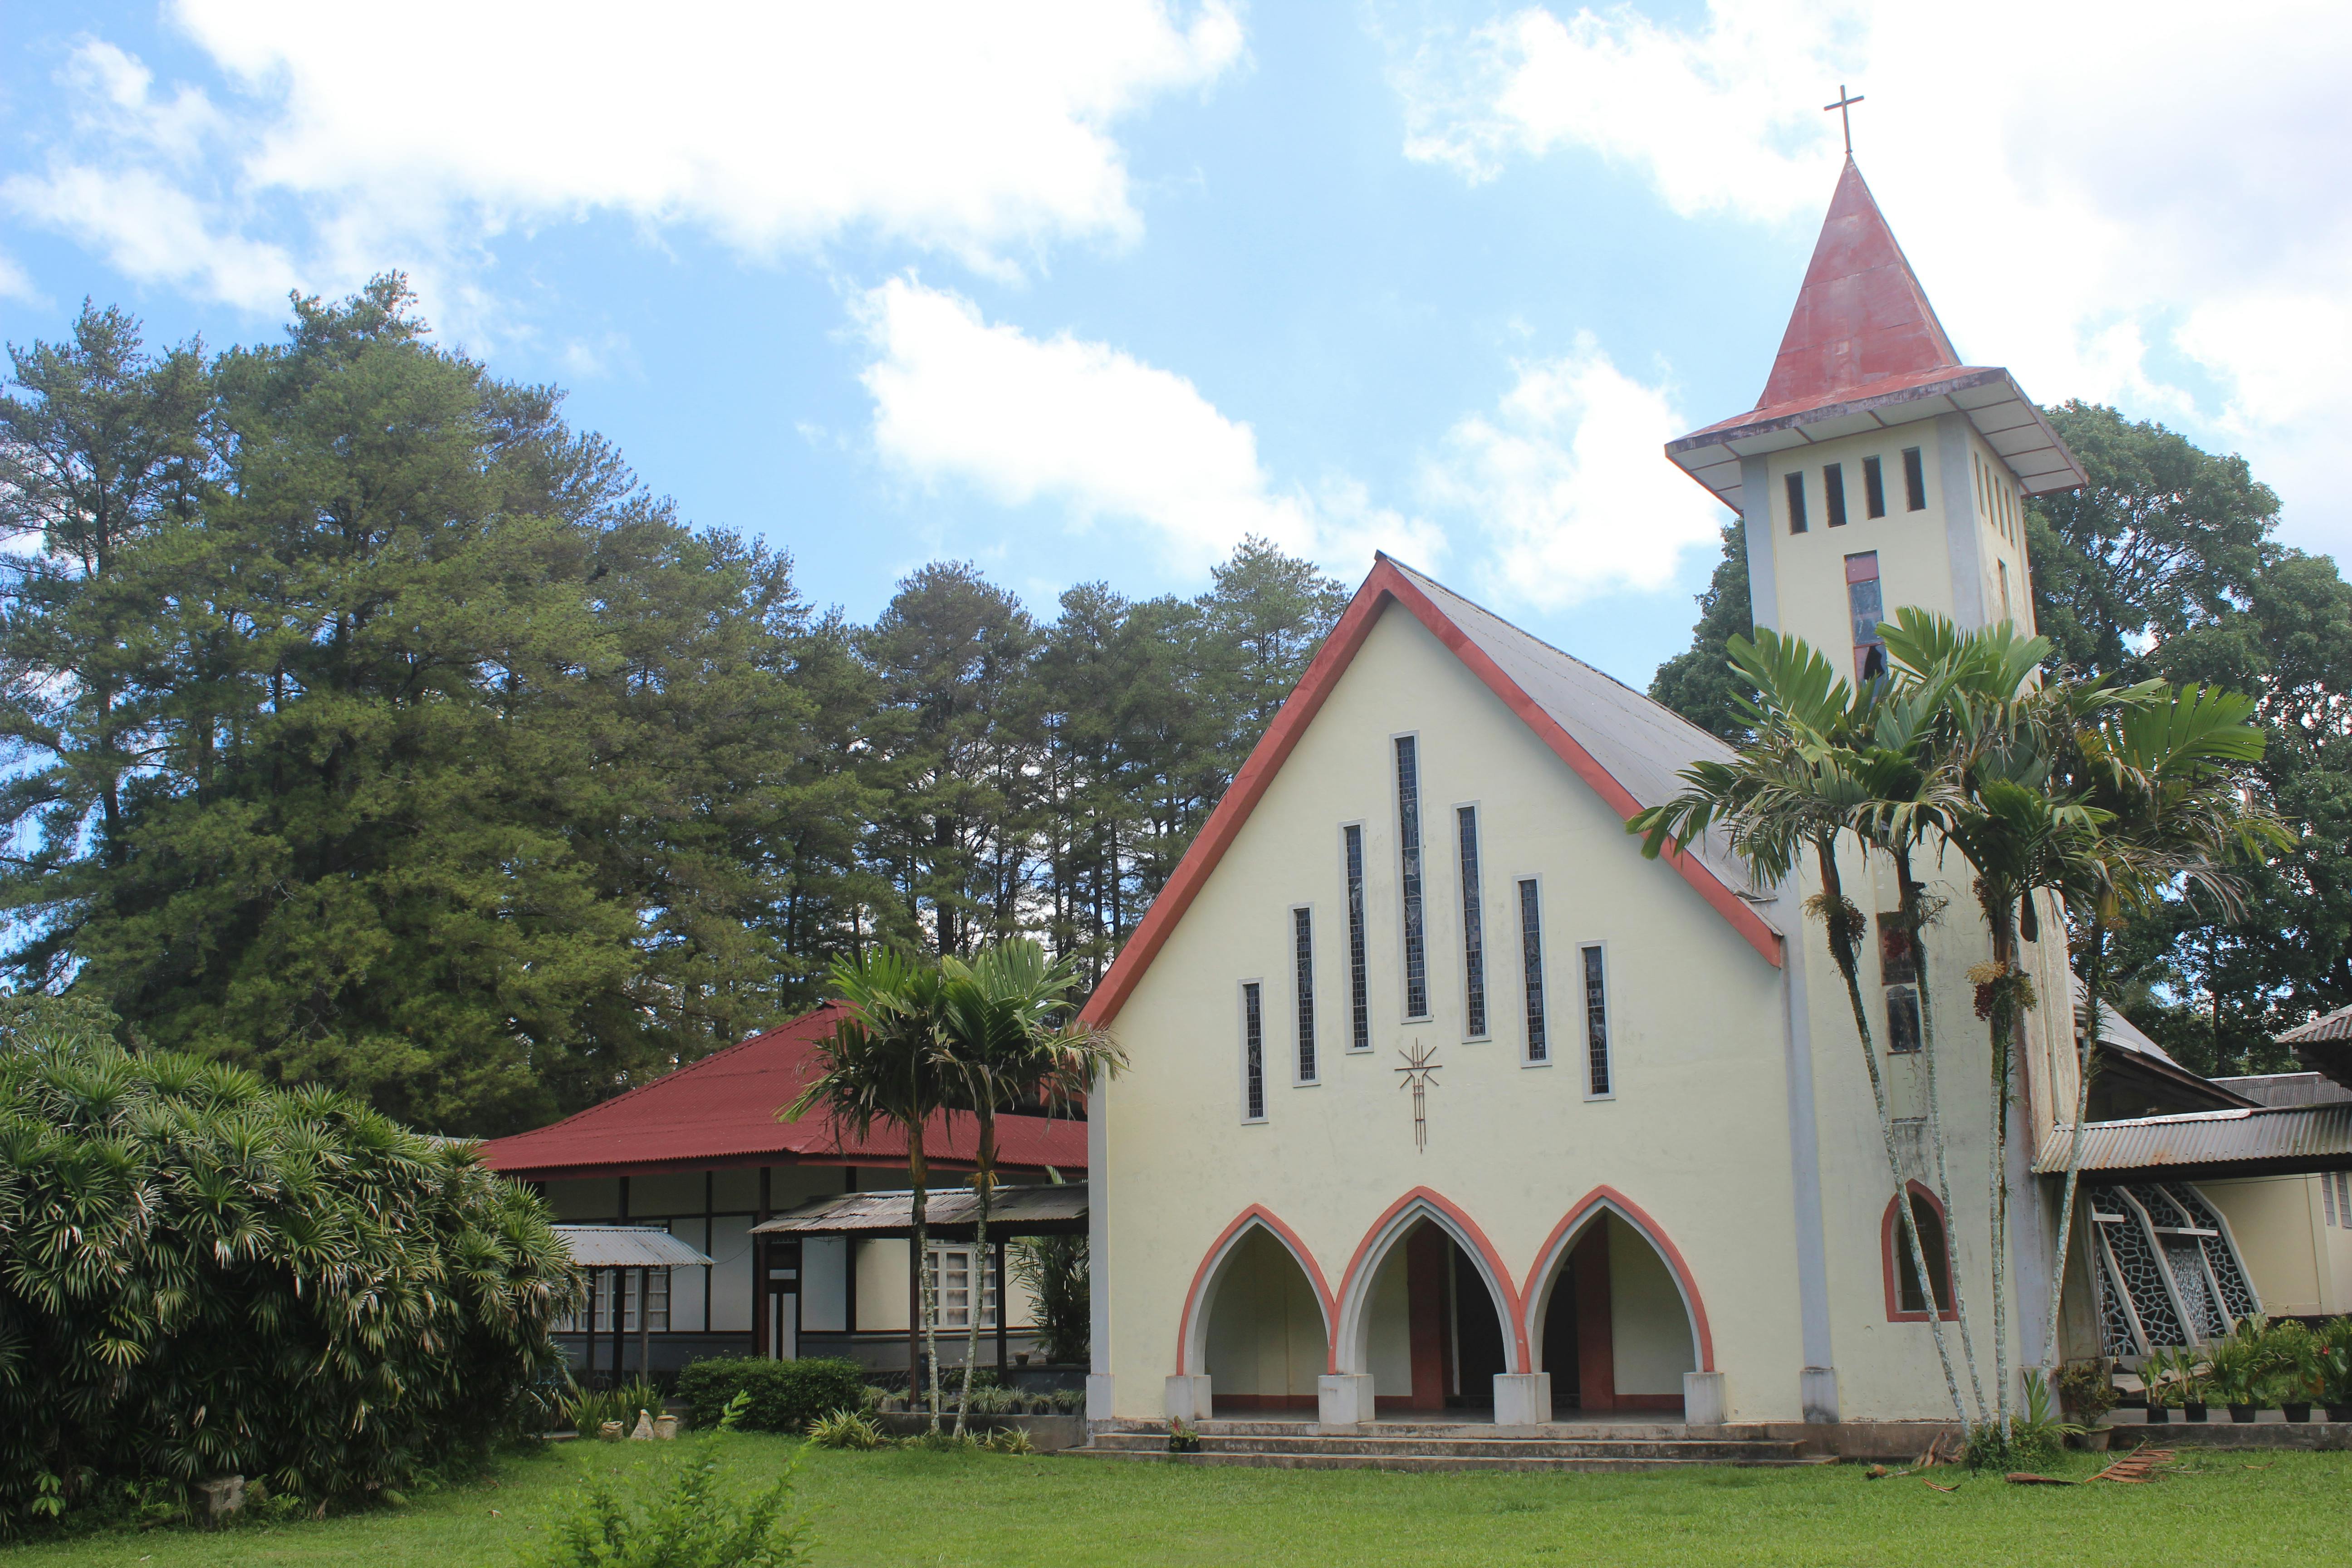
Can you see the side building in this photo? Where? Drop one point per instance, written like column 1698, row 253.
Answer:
column 700, row 1152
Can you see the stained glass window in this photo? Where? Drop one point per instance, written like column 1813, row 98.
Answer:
column 1359, row 1011
column 1474, row 933
column 1596, row 1023
column 1252, row 1053
column 1416, row 956
column 1532, row 965
column 1302, row 941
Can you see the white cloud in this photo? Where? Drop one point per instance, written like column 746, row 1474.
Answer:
column 982, row 133
column 16, row 283
column 2146, row 209
column 1096, row 431
column 1564, row 486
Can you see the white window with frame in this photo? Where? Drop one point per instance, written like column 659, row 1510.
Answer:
column 1600, row 1070
column 1302, row 968
column 1253, row 1001
column 953, row 1275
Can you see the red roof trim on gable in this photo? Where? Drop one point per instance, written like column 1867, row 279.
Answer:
column 1386, row 585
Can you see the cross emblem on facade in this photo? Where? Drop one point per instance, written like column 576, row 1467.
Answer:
column 1845, row 119
column 1420, row 1071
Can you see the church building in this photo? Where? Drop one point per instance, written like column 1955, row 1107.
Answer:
column 1444, row 1098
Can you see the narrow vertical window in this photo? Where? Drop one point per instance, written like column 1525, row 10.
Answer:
column 1899, row 971
column 1596, row 1023
column 2327, row 1195
column 1253, row 1055
column 2004, row 589
column 1867, row 608
column 1360, row 1009
column 1302, row 944
column 1915, row 481
column 1796, row 483
column 1416, row 956
column 1874, row 488
column 1473, row 928
column 1531, row 966
column 1833, row 494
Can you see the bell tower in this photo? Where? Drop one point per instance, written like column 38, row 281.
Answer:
column 1876, row 471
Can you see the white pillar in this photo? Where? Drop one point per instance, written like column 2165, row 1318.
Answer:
column 1098, row 1397
column 1522, row 1399
column 1703, row 1398
column 1817, row 1395
column 1188, row 1396
column 1343, row 1398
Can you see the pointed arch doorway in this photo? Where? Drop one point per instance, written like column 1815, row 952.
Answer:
column 1616, row 1322
column 1262, row 1342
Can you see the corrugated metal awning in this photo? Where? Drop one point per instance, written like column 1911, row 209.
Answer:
column 2265, row 1140
column 1059, row 1210
column 628, row 1247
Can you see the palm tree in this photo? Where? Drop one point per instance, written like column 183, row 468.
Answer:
column 2164, row 770
column 1791, row 790
column 888, row 1061
column 1010, row 1048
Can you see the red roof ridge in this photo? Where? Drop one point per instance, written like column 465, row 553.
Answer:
column 1386, row 582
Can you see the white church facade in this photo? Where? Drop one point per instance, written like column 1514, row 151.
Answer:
column 1444, row 1098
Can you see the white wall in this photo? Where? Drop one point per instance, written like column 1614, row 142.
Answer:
column 1266, row 1330
column 1649, row 1333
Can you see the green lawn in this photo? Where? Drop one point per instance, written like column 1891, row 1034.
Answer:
column 952, row 1509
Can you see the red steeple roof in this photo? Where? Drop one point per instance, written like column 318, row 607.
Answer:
column 1864, row 349
column 1861, row 317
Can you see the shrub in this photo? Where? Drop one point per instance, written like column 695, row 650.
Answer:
column 587, row 1409
column 683, row 1521
column 201, row 1275
column 845, row 1429
column 785, row 1395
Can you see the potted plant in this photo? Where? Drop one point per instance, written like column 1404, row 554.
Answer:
column 2159, row 1384
column 2086, row 1391
column 2196, row 1385
column 2336, row 1368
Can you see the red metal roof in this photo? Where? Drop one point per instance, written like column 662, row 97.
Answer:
column 722, row 1110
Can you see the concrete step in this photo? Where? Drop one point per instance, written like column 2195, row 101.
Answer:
column 1422, row 1462
column 1704, row 1450
column 1596, row 1431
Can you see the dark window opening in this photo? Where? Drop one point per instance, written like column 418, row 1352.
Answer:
column 1874, row 488
column 1833, row 494
column 1474, row 932
column 1796, row 483
column 1931, row 1242
column 1865, row 607
column 1360, row 1009
column 1416, row 957
column 1302, row 925
column 1915, row 481
column 1531, row 964
column 1252, row 1053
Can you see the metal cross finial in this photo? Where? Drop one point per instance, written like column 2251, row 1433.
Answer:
column 1845, row 119
column 1420, row 1071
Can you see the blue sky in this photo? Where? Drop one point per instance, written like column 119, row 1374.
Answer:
column 1092, row 290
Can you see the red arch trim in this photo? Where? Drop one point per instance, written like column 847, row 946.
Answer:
column 1892, row 1243
column 1256, row 1214
column 1608, row 1197
column 1512, row 1315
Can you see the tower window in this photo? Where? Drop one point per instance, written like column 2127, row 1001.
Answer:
column 2004, row 590
column 1874, row 488
column 1905, row 1301
column 1416, row 956
column 1834, row 493
column 1253, row 1053
column 1867, row 608
column 1359, row 1011
column 1474, row 932
column 1302, row 942
column 1532, row 965
column 1796, row 483
column 1899, row 971
column 1596, row 1025
column 1915, row 481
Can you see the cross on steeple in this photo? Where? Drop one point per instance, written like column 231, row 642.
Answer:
column 1845, row 119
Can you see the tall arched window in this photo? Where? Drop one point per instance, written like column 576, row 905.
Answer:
column 1905, row 1303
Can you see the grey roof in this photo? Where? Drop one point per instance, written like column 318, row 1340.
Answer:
column 628, row 1247
column 2270, row 1140
column 1642, row 744
column 2114, row 1029
column 2288, row 1088
column 1014, row 1211
column 2335, row 1025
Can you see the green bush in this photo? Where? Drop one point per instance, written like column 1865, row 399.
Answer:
column 785, row 1395
column 588, row 1409
column 681, row 1518
column 202, row 1276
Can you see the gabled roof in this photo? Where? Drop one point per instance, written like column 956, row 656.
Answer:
column 2265, row 1140
column 721, row 1111
column 1865, row 349
column 2325, row 1045
column 1625, row 746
